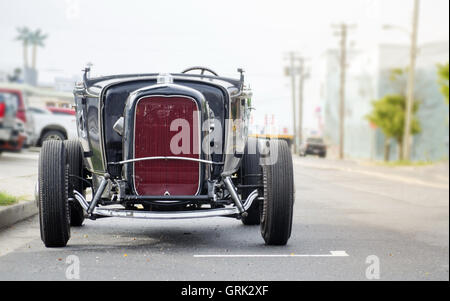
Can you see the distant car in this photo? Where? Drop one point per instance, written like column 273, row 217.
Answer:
column 314, row 146
column 12, row 120
column 61, row 111
column 47, row 125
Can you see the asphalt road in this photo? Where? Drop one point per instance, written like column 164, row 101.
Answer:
column 343, row 215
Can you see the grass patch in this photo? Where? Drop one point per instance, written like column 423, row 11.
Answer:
column 401, row 163
column 6, row 199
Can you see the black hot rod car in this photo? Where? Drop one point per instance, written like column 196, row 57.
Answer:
column 164, row 146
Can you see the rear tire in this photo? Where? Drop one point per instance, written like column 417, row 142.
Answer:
column 250, row 169
column 276, row 220
column 75, row 159
column 53, row 200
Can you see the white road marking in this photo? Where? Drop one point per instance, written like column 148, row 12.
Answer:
column 332, row 254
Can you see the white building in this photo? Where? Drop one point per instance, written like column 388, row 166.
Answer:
column 368, row 79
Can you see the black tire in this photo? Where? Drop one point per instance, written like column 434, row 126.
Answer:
column 276, row 219
column 75, row 159
column 54, row 209
column 323, row 155
column 251, row 175
column 52, row 135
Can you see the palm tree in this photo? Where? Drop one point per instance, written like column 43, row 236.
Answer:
column 37, row 40
column 24, row 36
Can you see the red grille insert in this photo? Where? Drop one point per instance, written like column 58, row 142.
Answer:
column 152, row 136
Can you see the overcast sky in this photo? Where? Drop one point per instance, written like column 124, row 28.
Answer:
column 167, row 36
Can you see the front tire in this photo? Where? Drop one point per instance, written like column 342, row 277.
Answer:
column 75, row 159
column 276, row 220
column 252, row 175
column 54, row 209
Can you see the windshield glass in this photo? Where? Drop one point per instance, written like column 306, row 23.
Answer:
column 315, row 140
column 11, row 102
column 38, row 111
column 62, row 113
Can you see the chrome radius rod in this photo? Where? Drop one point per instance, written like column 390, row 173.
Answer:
column 89, row 207
column 241, row 207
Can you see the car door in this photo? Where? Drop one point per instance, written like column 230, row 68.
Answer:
column 38, row 119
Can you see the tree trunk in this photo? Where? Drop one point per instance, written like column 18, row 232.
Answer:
column 33, row 62
column 400, row 150
column 25, row 55
column 387, row 149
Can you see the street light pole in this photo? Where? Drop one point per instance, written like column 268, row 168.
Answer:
column 411, row 78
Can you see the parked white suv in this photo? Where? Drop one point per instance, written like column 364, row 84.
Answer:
column 47, row 125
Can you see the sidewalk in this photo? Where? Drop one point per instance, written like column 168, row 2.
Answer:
column 12, row 214
column 18, row 176
column 435, row 175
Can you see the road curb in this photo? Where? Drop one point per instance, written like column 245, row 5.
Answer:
column 15, row 213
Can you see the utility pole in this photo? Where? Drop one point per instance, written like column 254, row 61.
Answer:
column 343, row 33
column 411, row 79
column 303, row 76
column 291, row 72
